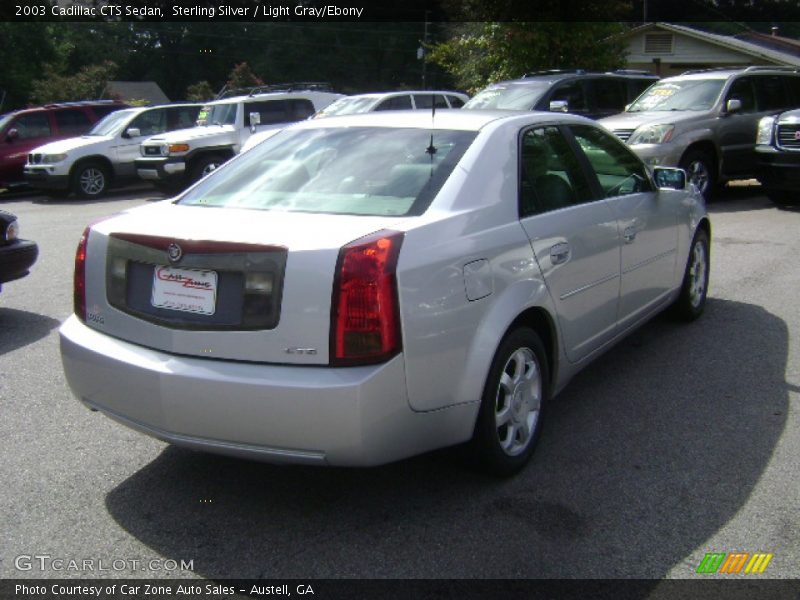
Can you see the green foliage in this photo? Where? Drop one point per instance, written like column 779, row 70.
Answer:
column 481, row 53
column 58, row 86
column 200, row 92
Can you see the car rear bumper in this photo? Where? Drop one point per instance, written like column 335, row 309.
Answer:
column 16, row 259
column 40, row 177
column 356, row 416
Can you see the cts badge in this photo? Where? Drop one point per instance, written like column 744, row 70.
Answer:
column 174, row 252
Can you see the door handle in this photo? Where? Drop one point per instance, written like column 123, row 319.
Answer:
column 629, row 234
column 559, row 253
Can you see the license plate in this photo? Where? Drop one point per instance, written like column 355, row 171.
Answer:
column 186, row 290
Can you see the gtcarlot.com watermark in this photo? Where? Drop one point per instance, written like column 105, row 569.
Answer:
column 49, row 563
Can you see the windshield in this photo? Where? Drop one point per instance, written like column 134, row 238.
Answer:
column 690, row 94
column 509, row 97
column 346, row 106
column 346, row 170
column 113, row 123
column 217, row 114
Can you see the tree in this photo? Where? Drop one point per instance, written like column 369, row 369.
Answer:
column 58, row 86
column 481, row 53
column 242, row 76
column 200, row 92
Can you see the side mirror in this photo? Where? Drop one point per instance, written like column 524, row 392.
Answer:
column 669, row 178
column 12, row 134
column 559, row 106
column 255, row 120
column 133, row 132
column 733, row 105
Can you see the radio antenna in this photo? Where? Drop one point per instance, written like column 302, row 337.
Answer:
column 431, row 149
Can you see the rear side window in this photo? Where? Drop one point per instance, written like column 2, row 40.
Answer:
column 395, row 103
column 550, row 175
column 347, row 170
column 270, row 111
column 771, row 93
column 609, row 94
column 72, row 121
column 32, row 126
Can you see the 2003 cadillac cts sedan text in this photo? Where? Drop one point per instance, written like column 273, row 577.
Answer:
column 360, row 289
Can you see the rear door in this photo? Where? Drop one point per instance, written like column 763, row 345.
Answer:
column 574, row 237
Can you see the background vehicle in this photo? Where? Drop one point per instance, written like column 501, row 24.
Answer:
column 580, row 92
column 706, row 121
column 778, row 152
column 179, row 158
column 356, row 290
column 90, row 164
column 16, row 255
column 23, row 130
column 405, row 100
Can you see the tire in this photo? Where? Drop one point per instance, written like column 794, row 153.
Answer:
column 783, row 198
column 510, row 416
column 204, row 166
column 701, row 171
column 90, row 180
column 694, row 290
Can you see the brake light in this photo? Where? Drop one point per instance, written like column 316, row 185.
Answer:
column 79, row 290
column 365, row 313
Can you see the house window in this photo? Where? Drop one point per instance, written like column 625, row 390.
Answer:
column 658, row 43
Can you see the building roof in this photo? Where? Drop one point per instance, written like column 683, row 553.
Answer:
column 756, row 51
column 136, row 90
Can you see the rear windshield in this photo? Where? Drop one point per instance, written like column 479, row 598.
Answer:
column 373, row 171
column 690, row 94
column 509, row 97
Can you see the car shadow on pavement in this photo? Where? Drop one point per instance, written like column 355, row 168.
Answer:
column 643, row 457
column 734, row 198
column 18, row 328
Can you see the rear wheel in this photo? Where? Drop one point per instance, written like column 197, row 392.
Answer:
column 509, row 419
column 694, row 291
column 701, row 171
column 90, row 180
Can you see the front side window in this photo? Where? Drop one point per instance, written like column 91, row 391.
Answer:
column 34, row 125
column 455, row 101
column 573, row 94
column 609, row 94
column 396, row 103
column 618, row 170
column 217, row 114
column 550, row 175
column 113, row 123
column 150, row 123
column 742, row 90
column 352, row 170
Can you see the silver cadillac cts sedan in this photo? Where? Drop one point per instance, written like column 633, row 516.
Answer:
column 360, row 289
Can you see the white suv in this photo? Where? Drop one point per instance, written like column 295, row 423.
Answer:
column 89, row 164
column 181, row 157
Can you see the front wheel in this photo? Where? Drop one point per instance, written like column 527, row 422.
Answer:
column 694, row 291
column 516, row 389
column 90, row 180
column 701, row 171
column 205, row 166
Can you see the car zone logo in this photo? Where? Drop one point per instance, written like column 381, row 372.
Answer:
column 734, row 562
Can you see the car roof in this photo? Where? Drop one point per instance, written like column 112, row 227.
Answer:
column 60, row 105
column 445, row 119
column 274, row 95
column 405, row 92
column 552, row 76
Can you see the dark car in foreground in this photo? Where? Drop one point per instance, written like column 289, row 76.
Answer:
column 778, row 152
column 16, row 255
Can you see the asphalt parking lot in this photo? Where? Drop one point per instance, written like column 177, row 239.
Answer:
column 683, row 440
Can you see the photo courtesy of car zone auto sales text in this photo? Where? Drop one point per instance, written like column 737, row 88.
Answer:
column 340, row 300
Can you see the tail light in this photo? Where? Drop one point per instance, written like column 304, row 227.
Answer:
column 365, row 313
column 79, row 289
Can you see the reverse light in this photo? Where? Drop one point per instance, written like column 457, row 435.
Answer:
column 765, row 127
column 79, row 289
column 365, row 312
column 652, row 134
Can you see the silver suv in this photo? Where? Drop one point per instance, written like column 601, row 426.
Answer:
column 705, row 122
